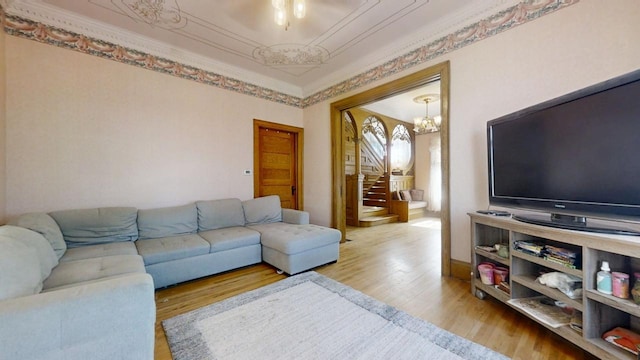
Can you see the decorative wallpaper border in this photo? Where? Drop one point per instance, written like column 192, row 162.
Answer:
column 28, row 29
column 517, row 15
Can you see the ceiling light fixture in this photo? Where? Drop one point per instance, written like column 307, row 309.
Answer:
column 426, row 124
column 284, row 9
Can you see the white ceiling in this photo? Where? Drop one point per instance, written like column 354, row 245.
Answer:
column 402, row 107
column 238, row 38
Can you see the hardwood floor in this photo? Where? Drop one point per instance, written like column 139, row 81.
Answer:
column 398, row 264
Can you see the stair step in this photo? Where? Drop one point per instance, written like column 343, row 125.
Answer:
column 378, row 220
column 374, row 203
column 375, row 211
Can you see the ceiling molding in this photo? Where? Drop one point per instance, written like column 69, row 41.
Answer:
column 57, row 35
column 44, row 13
column 419, row 36
column 502, row 21
column 32, row 30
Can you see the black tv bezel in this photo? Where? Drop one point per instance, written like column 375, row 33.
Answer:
column 569, row 214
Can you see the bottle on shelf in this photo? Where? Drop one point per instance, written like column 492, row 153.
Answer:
column 603, row 279
column 620, row 284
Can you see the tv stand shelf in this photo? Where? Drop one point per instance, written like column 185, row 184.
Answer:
column 600, row 312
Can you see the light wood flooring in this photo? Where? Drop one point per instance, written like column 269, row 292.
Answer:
column 398, row 264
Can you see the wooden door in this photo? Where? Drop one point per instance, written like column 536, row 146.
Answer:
column 277, row 163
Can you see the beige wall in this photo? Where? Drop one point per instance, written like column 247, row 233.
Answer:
column 570, row 49
column 423, row 161
column 84, row 131
column 3, row 107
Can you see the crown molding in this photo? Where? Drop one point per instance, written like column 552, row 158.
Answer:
column 506, row 19
column 49, row 15
column 97, row 39
column 421, row 36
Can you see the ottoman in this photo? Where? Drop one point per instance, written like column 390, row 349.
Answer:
column 297, row 248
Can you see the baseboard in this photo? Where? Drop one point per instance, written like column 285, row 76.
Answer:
column 460, row 270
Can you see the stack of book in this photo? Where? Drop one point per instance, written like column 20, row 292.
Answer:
column 529, row 247
column 555, row 254
column 561, row 256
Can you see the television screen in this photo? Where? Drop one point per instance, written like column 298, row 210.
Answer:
column 577, row 155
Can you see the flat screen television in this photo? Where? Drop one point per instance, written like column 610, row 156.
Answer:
column 573, row 157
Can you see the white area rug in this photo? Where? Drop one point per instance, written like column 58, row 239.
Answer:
column 310, row 316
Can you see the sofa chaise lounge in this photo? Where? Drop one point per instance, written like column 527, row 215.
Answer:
column 79, row 284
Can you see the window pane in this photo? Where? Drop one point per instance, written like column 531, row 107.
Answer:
column 400, row 148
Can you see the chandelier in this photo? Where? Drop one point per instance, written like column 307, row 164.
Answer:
column 427, row 124
column 283, row 9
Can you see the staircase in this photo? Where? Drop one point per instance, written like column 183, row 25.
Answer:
column 374, row 191
column 375, row 209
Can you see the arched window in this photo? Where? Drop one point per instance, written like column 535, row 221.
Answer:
column 350, row 135
column 374, row 133
column 400, row 148
column 350, row 128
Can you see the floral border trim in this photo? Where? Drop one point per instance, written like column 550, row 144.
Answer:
column 24, row 28
column 516, row 15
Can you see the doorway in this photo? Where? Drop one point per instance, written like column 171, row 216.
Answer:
column 420, row 78
column 277, row 160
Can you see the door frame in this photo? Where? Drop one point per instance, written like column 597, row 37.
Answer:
column 298, row 134
column 403, row 84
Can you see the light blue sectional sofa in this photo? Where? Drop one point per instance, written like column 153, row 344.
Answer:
column 79, row 284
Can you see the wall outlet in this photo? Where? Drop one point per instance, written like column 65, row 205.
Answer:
column 246, row 172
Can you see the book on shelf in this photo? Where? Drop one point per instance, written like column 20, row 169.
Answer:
column 560, row 261
column 529, row 247
column 576, row 321
column 486, row 248
column 543, row 309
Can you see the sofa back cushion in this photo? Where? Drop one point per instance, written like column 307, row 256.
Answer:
column 262, row 210
column 219, row 214
column 97, row 226
column 45, row 225
column 20, row 272
column 406, row 195
column 46, row 256
column 417, row 194
column 169, row 221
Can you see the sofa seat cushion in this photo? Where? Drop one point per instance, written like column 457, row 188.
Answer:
column 97, row 226
column 417, row 204
column 100, row 250
column 230, row 238
column 218, row 214
column 89, row 282
column 166, row 222
column 165, row 249
column 75, row 272
column 292, row 239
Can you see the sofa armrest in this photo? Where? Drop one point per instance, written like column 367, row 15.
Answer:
column 297, row 217
column 109, row 319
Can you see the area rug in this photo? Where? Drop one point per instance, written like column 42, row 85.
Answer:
column 310, row 316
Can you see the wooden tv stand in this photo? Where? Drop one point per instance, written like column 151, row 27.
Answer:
column 600, row 312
